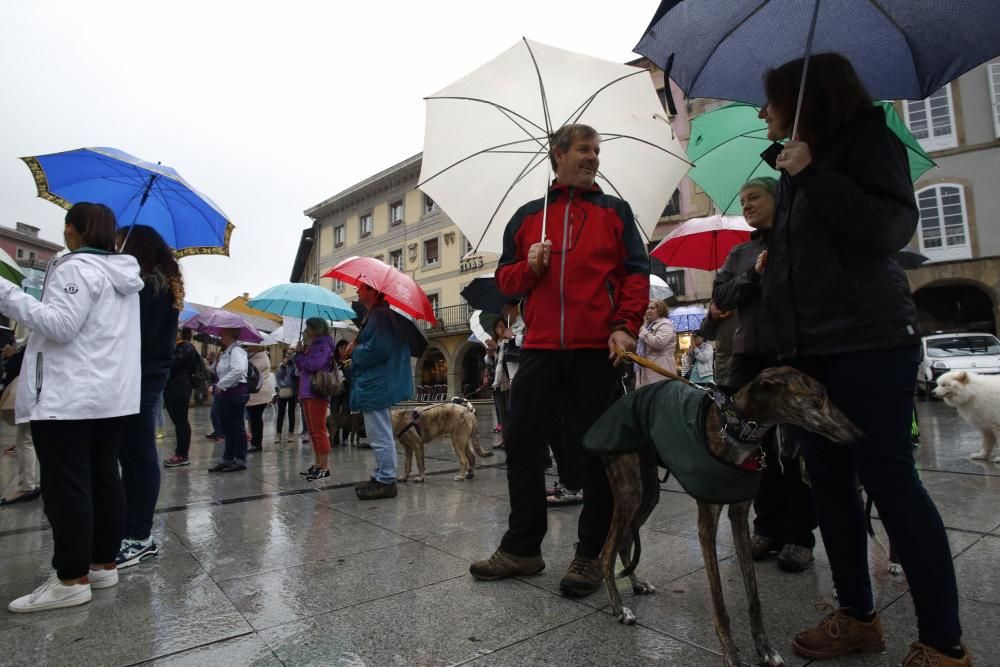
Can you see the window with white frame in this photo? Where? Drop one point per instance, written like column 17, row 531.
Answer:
column 944, row 228
column 396, row 212
column 396, row 259
column 932, row 120
column 338, row 285
column 429, row 205
column 339, row 235
column 993, row 72
column 432, row 254
column 366, row 224
column 435, row 300
column 468, row 247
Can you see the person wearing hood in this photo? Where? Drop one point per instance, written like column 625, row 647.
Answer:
column 80, row 378
column 784, row 520
column 232, row 394
column 381, row 377
column 160, row 303
column 259, row 400
column 316, row 356
column 842, row 311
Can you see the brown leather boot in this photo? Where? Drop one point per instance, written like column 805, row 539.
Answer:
column 502, row 565
column 839, row 634
column 922, row 655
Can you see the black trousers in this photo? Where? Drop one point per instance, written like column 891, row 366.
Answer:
column 575, row 386
column 567, row 453
column 177, row 398
column 283, row 405
column 784, row 505
column 82, row 491
column 256, row 414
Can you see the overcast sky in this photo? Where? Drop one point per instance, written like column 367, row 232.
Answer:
column 268, row 108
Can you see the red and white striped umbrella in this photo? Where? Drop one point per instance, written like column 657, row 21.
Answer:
column 702, row 243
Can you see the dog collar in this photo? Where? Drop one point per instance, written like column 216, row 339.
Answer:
column 735, row 428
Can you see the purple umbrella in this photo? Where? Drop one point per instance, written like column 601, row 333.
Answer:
column 212, row 321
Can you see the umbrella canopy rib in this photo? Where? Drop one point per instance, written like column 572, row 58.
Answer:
column 618, row 194
column 483, row 151
column 541, row 89
column 694, row 79
column 613, row 136
column 479, row 100
column 528, row 168
column 582, row 109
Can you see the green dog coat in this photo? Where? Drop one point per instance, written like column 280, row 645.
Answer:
column 669, row 416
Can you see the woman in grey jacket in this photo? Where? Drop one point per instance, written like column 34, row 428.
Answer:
column 80, row 378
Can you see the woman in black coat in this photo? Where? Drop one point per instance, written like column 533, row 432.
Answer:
column 841, row 310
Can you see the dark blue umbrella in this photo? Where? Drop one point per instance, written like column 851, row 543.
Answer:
column 138, row 192
column 484, row 294
column 901, row 49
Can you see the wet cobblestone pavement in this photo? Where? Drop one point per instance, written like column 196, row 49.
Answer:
column 263, row 568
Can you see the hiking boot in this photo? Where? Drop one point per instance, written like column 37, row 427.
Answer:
column 563, row 496
column 176, row 461
column 922, row 655
column 502, row 565
column 795, row 558
column 365, row 484
column 839, row 634
column 760, row 546
column 583, row 576
column 377, row 490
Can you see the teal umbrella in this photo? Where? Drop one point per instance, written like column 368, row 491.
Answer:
column 303, row 301
column 726, row 144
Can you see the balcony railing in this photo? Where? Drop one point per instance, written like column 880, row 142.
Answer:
column 450, row 319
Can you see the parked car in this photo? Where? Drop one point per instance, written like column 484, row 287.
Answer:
column 940, row 353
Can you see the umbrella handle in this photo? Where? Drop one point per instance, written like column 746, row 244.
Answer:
column 545, row 204
column 805, row 71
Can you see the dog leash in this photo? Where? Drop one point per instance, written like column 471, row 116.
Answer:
column 656, row 368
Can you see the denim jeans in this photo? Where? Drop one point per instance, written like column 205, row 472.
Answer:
column 231, row 407
column 875, row 391
column 378, row 426
column 141, row 464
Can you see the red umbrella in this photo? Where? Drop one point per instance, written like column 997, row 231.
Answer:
column 399, row 289
column 702, row 243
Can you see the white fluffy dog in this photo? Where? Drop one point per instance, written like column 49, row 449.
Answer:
column 977, row 398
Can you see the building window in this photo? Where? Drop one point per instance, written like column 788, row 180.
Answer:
column 944, row 229
column 435, row 300
column 20, row 253
column 366, row 224
column 396, row 212
column 339, row 234
column 429, row 205
column 932, row 120
column 396, row 259
column 31, row 256
column 338, row 285
column 468, row 247
column 675, row 281
column 431, row 254
column 673, row 206
column 993, row 72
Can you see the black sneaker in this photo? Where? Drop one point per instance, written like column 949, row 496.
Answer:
column 377, row 490
column 319, row 473
column 133, row 552
column 311, row 470
column 233, row 467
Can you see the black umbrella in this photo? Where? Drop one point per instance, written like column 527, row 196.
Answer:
column 909, row 259
column 483, row 294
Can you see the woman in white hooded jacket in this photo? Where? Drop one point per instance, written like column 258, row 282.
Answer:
column 80, row 377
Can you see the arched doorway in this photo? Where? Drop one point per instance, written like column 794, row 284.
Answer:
column 470, row 364
column 955, row 307
column 432, row 375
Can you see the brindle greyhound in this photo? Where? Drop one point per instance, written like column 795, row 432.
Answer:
column 776, row 396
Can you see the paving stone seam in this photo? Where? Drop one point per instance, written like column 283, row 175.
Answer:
column 193, row 648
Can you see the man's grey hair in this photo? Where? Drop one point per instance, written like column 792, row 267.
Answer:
column 766, row 182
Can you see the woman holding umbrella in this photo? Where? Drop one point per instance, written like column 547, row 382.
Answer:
column 80, row 378
column 844, row 206
column 160, row 303
column 317, row 356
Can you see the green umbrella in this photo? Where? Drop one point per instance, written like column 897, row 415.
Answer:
column 726, row 144
column 9, row 269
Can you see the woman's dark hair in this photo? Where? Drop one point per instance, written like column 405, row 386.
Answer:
column 339, row 349
column 187, row 334
column 834, row 96
column 157, row 265
column 319, row 326
column 95, row 223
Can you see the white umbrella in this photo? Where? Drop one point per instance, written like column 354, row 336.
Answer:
column 659, row 289
column 486, row 139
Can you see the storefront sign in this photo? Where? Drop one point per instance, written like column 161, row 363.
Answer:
column 471, row 264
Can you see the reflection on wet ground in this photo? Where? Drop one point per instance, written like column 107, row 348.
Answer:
column 264, row 568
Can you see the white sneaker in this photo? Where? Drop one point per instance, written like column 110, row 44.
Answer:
column 52, row 595
column 103, row 578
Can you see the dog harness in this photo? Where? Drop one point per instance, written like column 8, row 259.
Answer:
column 414, row 424
column 669, row 416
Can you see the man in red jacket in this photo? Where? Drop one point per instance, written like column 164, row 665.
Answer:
column 586, row 286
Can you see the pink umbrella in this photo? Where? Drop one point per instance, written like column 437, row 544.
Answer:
column 702, row 243
column 399, row 289
column 212, row 321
